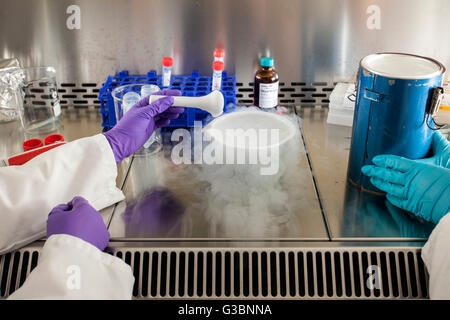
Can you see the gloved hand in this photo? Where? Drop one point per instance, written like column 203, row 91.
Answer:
column 79, row 219
column 420, row 188
column 138, row 124
column 441, row 151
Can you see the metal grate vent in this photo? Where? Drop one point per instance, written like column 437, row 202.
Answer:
column 85, row 95
column 277, row 273
column 81, row 95
column 15, row 268
column 335, row 273
column 77, row 95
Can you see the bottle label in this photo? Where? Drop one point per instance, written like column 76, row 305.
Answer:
column 268, row 95
column 57, row 109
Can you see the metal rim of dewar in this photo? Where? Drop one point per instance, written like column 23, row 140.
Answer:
column 428, row 76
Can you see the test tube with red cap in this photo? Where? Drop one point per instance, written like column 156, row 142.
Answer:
column 217, row 75
column 219, row 55
column 167, row 63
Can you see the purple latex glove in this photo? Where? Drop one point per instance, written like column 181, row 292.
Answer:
column 79, row 219
column 138, row 124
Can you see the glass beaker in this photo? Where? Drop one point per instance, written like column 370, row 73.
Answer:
column 154, row 143
column 41, row 109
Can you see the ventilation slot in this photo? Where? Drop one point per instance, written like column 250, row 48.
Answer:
column 85, row 95
column 74, row 95
column 14, row 269
column 278, row 273
column 258, row 273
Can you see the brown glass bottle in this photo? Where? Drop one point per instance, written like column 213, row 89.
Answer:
column 266, row 85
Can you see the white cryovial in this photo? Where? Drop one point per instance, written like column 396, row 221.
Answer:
column 217, row 75
column 167, row 63
column 149, row 89
column 129, row 100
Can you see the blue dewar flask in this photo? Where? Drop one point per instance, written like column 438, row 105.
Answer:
column 395, row 99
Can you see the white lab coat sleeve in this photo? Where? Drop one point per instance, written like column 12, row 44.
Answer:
column 71, row 268
column 436, row 256
column 84, row 167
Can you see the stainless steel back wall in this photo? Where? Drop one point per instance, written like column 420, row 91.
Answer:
column 311, row 40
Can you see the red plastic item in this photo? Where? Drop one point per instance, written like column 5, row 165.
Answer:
column 27, row 156
column 53, row 138
column 219, row 53
column 218, row 66
column 32, row 144
column 167, row 61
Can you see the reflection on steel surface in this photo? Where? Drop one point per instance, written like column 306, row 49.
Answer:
column 311, row 40
column 156, row 212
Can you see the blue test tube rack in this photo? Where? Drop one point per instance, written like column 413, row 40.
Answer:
column 193, row 85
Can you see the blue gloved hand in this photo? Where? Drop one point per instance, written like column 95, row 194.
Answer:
column 138, row 124
column 417, row 187
column 441, row 151
column 79, row 219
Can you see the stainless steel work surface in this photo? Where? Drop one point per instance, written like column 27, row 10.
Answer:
column 201, row 201
column 350, row 213
column 75, row 124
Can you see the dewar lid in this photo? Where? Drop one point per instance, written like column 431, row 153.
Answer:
column 402, row 66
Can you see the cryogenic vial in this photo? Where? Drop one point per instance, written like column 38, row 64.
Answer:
column 124, row 98
column 167, row 63
column 217, row 75
column 129, row 100
column 149, row 89
column 219, row 55
column 266, row 85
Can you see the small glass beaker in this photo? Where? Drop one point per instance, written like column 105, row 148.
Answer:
column 154, row 143
column 41, row 109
